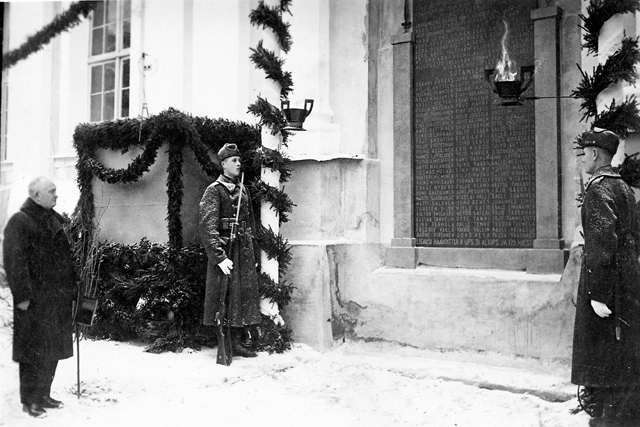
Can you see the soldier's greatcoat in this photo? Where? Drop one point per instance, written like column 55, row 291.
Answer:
column 217, row 207
column 610, row 274
column 39, row 267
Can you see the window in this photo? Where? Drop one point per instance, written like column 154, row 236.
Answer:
column 109, row 62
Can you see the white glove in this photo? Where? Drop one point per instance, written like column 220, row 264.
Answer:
column 270, row 308
column 226, row 265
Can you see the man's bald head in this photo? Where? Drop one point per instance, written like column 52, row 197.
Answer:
column 43, row 191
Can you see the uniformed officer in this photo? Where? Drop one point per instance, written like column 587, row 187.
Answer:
column 218, row 209
column 606, row 343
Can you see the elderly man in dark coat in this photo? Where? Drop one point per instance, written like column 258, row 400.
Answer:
column 218, row 209
column 606, row 343
column 40, row 271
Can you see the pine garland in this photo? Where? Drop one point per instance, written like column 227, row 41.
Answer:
column 267, row 61
column 280, row 294
column 62, row 22
column 175, row 194
column 269, row 115
column 599, row 12
column 172, row 127
column 630, row 170
column 279, row 200
column 275, row 247
column 619, row 67
column 620, row 119
column 272, row 159
column 270, row 17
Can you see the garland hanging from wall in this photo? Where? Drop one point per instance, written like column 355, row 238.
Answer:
column 62, row 22
column 599, row 12
column 177, row 130
column 622, row 116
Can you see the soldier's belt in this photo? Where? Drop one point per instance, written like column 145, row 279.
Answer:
column 226, row 223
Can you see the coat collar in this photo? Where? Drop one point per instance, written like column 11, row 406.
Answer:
column 229, row 183
column 52, row 218
column 605, row 171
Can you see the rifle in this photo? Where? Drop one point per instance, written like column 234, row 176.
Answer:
column 223, row 329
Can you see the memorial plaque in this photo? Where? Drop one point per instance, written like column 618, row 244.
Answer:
column 474, row 160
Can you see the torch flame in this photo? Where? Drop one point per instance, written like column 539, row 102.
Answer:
column 505, row 68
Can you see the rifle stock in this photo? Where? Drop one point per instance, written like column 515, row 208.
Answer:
column 223, row 329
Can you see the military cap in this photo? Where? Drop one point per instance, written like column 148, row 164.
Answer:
column 601, row 138
column 228, row 150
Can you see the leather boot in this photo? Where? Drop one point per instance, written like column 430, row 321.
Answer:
column 239, row 348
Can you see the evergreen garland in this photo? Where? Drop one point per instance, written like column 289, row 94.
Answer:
column 270, row 116
column 619, row 67
column 630, row 170
column 267, row 61
column 280, row 294
column 62, row 22
column 273, row 245
column 279, row 200
column 276, row 247
column 599, row 12
column 272, row 159
column 178, row 130
column 620, row 119
column 270, row 17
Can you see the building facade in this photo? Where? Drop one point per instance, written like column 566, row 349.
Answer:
column 379, row 252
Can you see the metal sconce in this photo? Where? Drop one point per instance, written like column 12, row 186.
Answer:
column 510, row 91
column 295, row 116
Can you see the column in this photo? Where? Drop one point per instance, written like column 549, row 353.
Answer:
column 547, row 254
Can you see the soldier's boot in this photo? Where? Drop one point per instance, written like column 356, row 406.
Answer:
column 238, row 345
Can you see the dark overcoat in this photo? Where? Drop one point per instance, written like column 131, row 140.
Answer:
column 39, row 266
column 610, row 274
column 218, row 206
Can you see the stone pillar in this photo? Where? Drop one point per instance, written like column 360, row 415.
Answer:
column 402, row 253
column 547, row 254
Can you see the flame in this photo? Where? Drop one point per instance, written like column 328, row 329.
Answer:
column 506, row 69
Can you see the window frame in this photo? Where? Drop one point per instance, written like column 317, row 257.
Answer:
column 119, row 56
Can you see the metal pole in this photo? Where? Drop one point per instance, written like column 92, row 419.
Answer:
column 78, row 358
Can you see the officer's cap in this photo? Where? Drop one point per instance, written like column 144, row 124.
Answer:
column 228, row 150
column 601, row 138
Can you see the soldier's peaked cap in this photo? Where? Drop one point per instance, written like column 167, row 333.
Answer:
column 601, row 138
column 228, row 150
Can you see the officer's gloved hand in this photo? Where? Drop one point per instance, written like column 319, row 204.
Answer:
column 226, row 266
column 601, row 309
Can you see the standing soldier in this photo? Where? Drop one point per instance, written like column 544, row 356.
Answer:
column 218, row 209
column 40, row 271
column 606, row 342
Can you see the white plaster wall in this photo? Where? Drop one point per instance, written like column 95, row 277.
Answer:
column 30, row 103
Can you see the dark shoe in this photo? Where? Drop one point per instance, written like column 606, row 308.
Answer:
column 49, row 402
column 241, row 351
column 34, row 410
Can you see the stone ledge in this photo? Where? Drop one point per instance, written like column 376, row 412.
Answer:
column 533, row 261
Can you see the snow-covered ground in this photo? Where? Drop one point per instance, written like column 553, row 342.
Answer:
column 358, row 384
